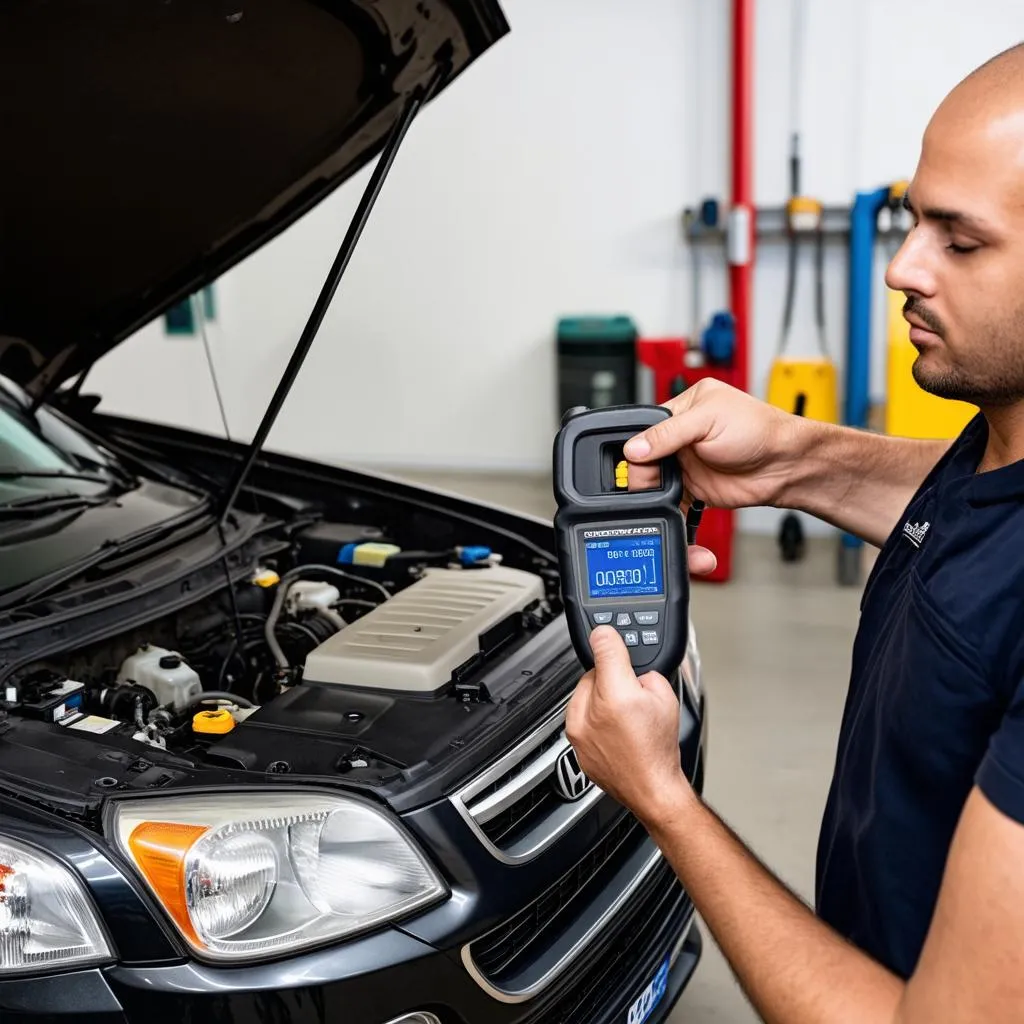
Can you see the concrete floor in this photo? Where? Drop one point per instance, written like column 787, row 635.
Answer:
column 775, row 643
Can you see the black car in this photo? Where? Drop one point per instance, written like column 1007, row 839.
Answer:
column 278, row 741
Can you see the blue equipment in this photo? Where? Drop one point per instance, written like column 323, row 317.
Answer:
column 863, row 234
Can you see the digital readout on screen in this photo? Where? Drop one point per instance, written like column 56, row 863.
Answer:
column 625, row 566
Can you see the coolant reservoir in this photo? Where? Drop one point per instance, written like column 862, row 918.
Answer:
column 163, row 672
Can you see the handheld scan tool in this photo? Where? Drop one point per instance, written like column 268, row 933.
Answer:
column 622, row 554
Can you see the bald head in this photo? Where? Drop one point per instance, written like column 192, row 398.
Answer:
column 1003, row 67
column 989, row 94
column 974, row 142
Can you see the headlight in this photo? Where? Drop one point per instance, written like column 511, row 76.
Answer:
column 46, row 917
column 242, row 875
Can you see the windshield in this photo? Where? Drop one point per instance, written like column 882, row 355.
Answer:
column 43, row 453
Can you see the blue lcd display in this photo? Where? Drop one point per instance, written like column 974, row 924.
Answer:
column 625, row 566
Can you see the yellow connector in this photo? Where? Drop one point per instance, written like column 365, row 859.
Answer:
column 622, row 474
column 898, row 189
column 804, row 213
column 374, row 553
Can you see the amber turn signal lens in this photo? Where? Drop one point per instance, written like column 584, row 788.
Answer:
column 159, row 849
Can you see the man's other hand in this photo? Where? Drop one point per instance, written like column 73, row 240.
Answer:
column 701, row 561
column 625, row 731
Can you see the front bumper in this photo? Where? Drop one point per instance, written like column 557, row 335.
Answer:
column 317, row 988
column 425, row 965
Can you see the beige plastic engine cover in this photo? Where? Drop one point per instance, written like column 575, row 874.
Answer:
column 415, row 640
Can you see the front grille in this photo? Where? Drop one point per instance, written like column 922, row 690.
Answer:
column 514, row 806
column 500, row 949
column 659, row 914
column 512, row 823
column 554, row 740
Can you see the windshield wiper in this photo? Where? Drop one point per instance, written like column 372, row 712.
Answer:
column 48, row 504
column 199, row 517
column 51, row 474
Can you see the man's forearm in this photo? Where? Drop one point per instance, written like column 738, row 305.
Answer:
column 854, row 479
column 793, row 967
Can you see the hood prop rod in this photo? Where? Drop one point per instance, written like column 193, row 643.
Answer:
column 413, row 105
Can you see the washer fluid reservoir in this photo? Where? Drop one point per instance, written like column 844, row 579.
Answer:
column 163, row 672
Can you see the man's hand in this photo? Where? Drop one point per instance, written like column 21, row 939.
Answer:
column 701, row 560
column 739, row 452
column 625, row 731
column 793, row 967
column 734, row 450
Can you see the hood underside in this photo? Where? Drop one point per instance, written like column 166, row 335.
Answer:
column 150, row 145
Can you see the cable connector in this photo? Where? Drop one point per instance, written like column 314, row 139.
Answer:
column 475, row 555
column 804, row 214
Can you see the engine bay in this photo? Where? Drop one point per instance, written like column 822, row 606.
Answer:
column 345, row 653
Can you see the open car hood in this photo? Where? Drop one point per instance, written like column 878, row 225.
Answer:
column 150, row 145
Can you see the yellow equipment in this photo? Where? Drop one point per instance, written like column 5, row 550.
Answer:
column 806, row 385
column 812, row 379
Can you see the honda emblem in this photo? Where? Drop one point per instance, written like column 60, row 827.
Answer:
column 570, row 781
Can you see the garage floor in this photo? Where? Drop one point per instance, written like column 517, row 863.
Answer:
column 775, row 643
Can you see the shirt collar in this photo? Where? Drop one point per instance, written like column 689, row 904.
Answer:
column 993, row 486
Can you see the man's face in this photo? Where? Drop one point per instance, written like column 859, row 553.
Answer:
column 962, row 264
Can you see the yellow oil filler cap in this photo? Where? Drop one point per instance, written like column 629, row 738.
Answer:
column 215, row 722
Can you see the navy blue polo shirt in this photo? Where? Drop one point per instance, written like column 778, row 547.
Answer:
column 935, row 706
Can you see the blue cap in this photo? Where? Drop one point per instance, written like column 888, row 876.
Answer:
column 470, row 555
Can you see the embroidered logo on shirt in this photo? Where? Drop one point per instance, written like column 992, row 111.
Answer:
column 914, row 532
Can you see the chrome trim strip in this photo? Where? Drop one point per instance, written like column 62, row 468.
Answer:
column 578, row 947
column 562, row 820
column 517, row 787
column 517, row 754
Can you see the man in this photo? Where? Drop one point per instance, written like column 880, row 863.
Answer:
column 920, row 889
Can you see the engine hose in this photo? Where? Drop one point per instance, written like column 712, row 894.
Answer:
column 124, row 701
column 222, row 695
column 332, row 617
column 282, row 593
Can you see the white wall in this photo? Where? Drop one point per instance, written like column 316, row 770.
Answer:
column 550, row 180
